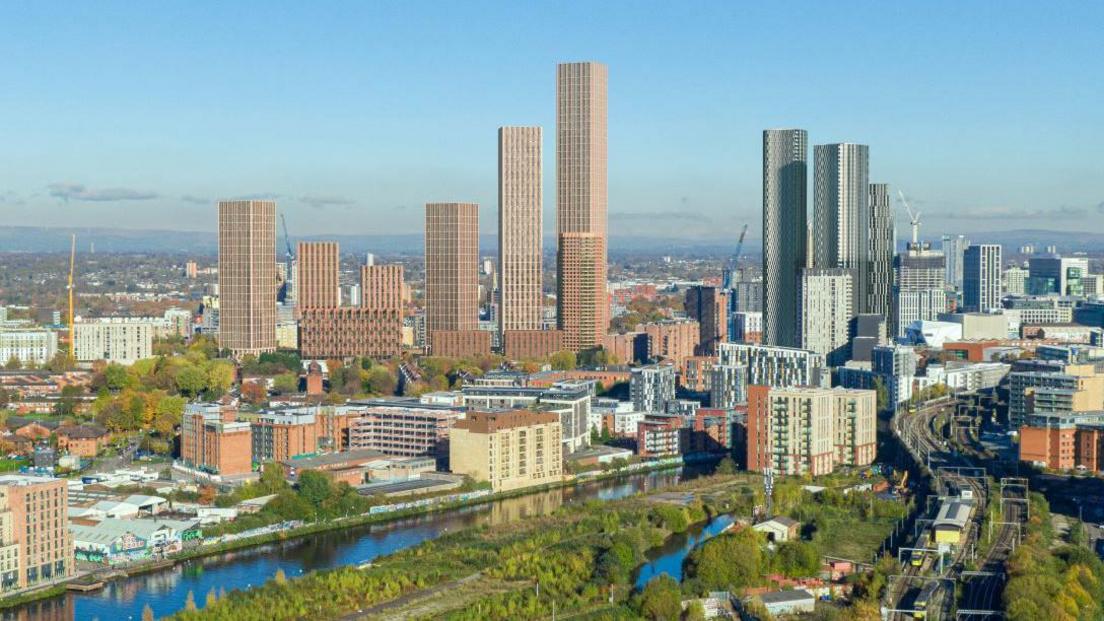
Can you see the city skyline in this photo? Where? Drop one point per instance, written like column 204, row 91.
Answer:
column 154, row 143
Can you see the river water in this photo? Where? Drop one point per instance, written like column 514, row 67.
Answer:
column 165, row 591
column 668, row 558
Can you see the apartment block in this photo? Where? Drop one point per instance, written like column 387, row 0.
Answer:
column 652, row 387
column 728, row 386
column 583, row 313
column 531, row 344
column 776, row 366
column 381, row 287
column 709, row 307
column 520, row 229
column 212, row 440
column 511, row 450
column 35, row 544
column 318, row 265
column 809, row 431
column 673, row 341
column 1064, row 441
column 460, row 343
column 279, row 435
column 114, row 340
column 350, row 331
column 451, row 264
column 570, row 400
column 696, row 374
column 35, row 347
column 247, row 276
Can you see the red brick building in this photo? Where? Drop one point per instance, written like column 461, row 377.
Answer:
column 531, row 344
column 460, row 343
column 350, row 331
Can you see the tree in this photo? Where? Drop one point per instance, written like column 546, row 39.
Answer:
column 219, row 377
column 189, row 602
column 380, row 380
column 116, row 377
column 563, row 360
column 726, row 466
column 314, row 487
column 730, row 561
column 211, row 598
column 147, row 613
column 254, row 392
column 286, row 383
column 273, row 479
column 190, row 381
column 280, row 578
column 13, row 363
column 883, row 394
column 661, row 599
column 695, row 611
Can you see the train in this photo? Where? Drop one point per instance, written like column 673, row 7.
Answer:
column 920, row 604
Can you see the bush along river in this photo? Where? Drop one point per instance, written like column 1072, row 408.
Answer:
column 166, row 590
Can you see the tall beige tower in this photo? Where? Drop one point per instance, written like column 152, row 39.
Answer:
column 318, row 275
column 520, row 228
column 247, row 276
column 451, row 264
column 583, row 307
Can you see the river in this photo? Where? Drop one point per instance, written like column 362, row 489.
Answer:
column 165, row 591
column 668, row 558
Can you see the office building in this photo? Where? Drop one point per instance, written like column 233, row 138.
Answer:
column 451, row 266
column 581, row 203
column 29, row 346
column 882, row 249
column 213, row 441
column 826, row 312
column 981, row 278
column 785, row 233
column 810, row 431
column 1054, row 275
column 954, row 247
column 841, row 214
column 247, row 276
column 652, row 387
column 776, row 366
column 709, row 306
column 114, row 339
column 317, row 275
column 520, row 228
column 1053, row 388
column 35, row 544
column 510, row 450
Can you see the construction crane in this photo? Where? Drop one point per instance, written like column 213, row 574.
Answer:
column 914, row 219
column 734, row 263
column 290, row 257
column 72, row 268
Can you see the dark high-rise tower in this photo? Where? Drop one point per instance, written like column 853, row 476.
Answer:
column 785, row 157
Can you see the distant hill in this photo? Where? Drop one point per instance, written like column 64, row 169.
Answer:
column 199, row 243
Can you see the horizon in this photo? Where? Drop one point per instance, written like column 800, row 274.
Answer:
column 364, row 114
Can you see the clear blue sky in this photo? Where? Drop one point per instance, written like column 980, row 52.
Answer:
column 987, row 114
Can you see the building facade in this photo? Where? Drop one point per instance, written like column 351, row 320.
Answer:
column 114, row 340
column 581, row 203
column 247, row 276
column 826, row 312
column 652, row 387
column 350, row 331
column 318, row 265
column 451, row 267
column 709, row 306
column 785, row 232
column 520, row 228
column 981, row 278
column 510, row 450
column 35, row 544
column 776, row 366
column 841, row 214
column 881, row 250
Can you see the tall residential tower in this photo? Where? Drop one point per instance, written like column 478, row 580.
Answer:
column 785, row 155
column 519, row 228
column 582, row 305
column 451, row 264
column 841, row 213
column 247, row 276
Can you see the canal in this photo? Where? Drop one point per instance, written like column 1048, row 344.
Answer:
column 165, row 591
column 668, row 558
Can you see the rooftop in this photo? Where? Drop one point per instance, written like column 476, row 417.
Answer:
column 487, row 422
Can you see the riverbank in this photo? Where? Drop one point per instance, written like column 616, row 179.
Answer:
column 308, row 530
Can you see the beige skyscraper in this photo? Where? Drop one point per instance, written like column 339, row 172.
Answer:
column 318, row 274
column 247, row 276
column 451, row 264
column 583, row 307
column 519, row 228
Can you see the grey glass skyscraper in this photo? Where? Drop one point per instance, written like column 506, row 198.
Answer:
column 785, row 176
column 841, row 213
column 881, row 248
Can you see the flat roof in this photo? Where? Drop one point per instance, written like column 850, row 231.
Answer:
column 333, row 459
column 400, row 486
column 782, row 597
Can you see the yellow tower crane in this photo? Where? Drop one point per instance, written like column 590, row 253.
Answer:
column 72, row 266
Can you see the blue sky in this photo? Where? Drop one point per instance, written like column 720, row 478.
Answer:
column 988, row 115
